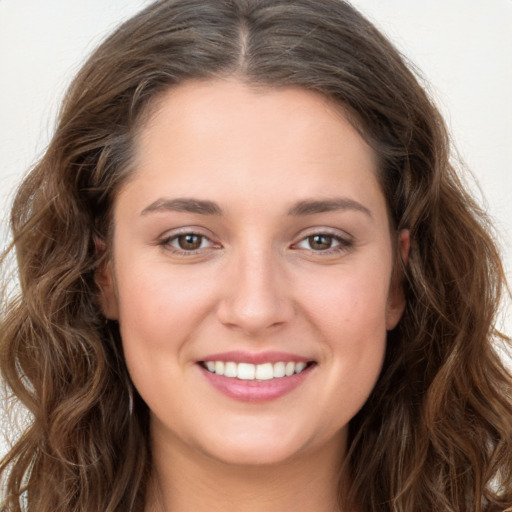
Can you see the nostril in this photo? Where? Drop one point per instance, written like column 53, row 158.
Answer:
column 253, row 315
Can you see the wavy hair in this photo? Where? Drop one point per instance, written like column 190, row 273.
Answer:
column 436, row 432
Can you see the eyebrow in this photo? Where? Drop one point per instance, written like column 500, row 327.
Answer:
column 301, row 208
column 181, row 204
column 311, row 207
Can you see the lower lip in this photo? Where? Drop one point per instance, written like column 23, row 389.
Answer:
column 254, row 390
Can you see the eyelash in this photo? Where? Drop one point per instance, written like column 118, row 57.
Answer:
column 342, row 244
column 167, row 241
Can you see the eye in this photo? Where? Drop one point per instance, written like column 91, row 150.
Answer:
column 324, row 242
column 320, row 242
column 187, row 242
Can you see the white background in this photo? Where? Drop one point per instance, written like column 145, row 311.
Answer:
column 462, row 47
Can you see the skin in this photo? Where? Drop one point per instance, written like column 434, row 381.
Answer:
column 257, row 282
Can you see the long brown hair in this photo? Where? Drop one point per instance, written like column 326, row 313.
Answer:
column 436, row 433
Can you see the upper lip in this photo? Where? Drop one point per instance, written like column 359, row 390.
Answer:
column 238, row 356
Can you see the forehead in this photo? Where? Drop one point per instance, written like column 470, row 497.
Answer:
column 213, row 109
column 229, row 140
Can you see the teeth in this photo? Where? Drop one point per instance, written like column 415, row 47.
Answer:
column 299, row 367
column 219, row 367
column 230, row 370
column 279, row 370
column 264, row 371
column 247, row 371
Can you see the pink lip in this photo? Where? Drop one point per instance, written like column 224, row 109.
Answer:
column 256, row 357
column 253, row 390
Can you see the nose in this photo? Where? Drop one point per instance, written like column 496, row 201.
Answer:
column 256, row 295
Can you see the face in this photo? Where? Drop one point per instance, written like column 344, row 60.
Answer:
column 252, row 272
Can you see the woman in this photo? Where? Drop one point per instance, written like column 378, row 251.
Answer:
column 250, row 278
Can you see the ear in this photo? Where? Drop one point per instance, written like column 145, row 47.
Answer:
column 396, row 298
column 106, row 284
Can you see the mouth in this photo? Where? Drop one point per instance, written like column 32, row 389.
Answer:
column 256, row 372
column 259, row 381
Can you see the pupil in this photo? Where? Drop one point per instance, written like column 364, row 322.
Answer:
column 320, row 242
column 189, row 242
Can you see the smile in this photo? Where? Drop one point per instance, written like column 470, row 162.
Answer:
column 257, row 372
column 268, row 377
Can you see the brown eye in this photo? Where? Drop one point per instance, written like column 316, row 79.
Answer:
column 189, row 242
column 320, row 242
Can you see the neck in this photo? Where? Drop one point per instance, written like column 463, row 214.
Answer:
column 184, row 481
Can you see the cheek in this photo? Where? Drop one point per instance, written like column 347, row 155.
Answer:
column 349, row 313
column 159, row 312
column 356, row 328
column 156, row 311
column 354, row 298
column 153, row 296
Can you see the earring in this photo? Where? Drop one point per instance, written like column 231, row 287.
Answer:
column 130, row 399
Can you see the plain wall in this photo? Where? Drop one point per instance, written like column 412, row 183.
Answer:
column 462, row 47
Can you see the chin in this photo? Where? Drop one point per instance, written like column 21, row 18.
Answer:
column 262, row 446
column 256, row 454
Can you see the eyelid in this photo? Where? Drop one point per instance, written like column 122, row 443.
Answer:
column 345, row 241
column 165, row 241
